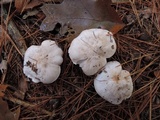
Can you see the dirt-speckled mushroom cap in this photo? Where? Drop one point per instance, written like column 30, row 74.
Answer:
column 91, row 48
column 42, row 63
column 114, row 84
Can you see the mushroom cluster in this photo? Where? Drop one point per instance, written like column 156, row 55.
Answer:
column 42, row 63
column 90, row 51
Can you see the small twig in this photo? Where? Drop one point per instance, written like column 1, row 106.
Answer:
column 150, row 103
column 29, row 105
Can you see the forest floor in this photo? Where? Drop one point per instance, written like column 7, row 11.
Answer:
column 72, row 96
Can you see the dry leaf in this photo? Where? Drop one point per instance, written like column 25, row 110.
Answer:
column 2, row 89
column 5, row 113
column 17, row 113
column 157, row 73
column 21, row 4
column 22, row 88
column 80, row 15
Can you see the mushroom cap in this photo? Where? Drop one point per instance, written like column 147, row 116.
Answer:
column 42, row 63
column 114, row 84
column 91, row 48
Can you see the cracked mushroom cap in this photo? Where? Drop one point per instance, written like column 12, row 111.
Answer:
column 91, row 48
column 42, row 63
column 114, row 84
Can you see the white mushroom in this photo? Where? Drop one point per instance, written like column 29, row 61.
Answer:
column 114, row 84
column 42, row 63
column 91, row 48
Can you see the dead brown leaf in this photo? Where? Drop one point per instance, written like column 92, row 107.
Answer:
column 2, row 89
column 21, row 4
column 157, row 73
column 80, row 15
column 17, row 113
column 22, row 88
column 5, row 113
